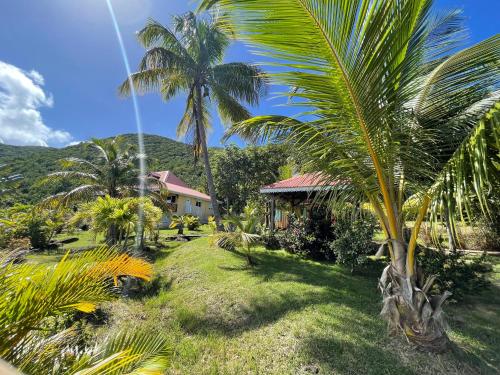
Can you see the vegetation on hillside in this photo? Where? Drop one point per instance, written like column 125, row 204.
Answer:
column 34, row 163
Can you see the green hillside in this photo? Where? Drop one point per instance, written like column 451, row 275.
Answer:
column 35, row 162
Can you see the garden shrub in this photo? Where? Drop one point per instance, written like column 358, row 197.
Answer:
column 353, row 240
column 309, row 238
column 455, row 272
column 270, row 240
column 192, row 222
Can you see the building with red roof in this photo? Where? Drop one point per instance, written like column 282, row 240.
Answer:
column 296, row 195
column 183, row 199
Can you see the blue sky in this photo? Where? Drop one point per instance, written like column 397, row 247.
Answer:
column 60, row 66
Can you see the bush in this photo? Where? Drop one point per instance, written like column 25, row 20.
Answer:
column 270, row 240
column 192, row 222
column 308, row 238
column 36, row 224
column 455, row 272
column 353, row 240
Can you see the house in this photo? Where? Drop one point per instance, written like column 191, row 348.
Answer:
column 182, row 199
column 298, row 195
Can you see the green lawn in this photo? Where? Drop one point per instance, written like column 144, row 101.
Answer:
column 290, row 316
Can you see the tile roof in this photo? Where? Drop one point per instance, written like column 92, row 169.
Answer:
column 305, row 182
column 175, row 185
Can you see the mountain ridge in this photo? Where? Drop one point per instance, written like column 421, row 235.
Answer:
column 34, row 162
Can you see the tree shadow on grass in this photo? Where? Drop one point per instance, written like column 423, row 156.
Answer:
column 329, row 286
column 355, row 342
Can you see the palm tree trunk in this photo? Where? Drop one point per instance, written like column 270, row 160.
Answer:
column 407, row 305
column 208, row 171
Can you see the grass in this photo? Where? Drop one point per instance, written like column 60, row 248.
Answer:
column 202, row 230
column 290, row 316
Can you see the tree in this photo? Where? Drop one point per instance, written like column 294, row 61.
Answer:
column 122, row 214
column 188, row 59
column 393, row 111
column 250, row 169
column 32, row 295
column 115, row 173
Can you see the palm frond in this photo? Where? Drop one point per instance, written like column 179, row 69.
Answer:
column 472, row 174
column 139, row 353
column 29, row 293
column 244, row 82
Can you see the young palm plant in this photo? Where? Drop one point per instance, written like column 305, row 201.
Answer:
column 32, row 294
column 392, row 112
column 242, row 232
column 189, row 58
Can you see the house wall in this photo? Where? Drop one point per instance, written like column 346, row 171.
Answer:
column 202, row 212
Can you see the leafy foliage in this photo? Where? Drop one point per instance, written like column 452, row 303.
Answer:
column 455, row 272
column 32, row 293
column 240, row 173
column 241, row 231
column 309, row 237
column 36, row 224
column 353, row 240
column 121, row 214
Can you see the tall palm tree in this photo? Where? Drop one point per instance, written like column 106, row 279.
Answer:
column 393, row 111
column 189, row 58
column 114, row 172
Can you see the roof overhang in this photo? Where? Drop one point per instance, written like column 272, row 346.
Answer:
column 306, row 189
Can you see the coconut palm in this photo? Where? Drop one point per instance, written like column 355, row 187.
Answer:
column 393, row 112
column 114, row 172
column 188, row 59
column 31, row 295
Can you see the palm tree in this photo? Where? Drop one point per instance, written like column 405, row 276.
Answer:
column 113, row 173
column 242, row 232
column 33, row 294
column 188, row 59
column 393, row 112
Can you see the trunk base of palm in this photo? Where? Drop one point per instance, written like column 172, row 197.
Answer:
column 409, row 310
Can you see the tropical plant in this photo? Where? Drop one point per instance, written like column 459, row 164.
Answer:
column 114, row 173
column 179, row 222
column 392, row 111
column 37, row 224
column 212, row 224
column 31, row 294
column 188, row 58
column 122, row 214
column 242, row 231
column 353, row 240
column 308, row 237
column 193, row 222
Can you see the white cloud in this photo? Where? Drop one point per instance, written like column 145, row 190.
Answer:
column 74, row 143
column 21, row 97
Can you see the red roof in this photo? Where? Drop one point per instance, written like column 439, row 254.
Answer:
column 305, row 182
column 175, row 185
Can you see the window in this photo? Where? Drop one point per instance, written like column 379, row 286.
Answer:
column 172, row 199
column 198, row 204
